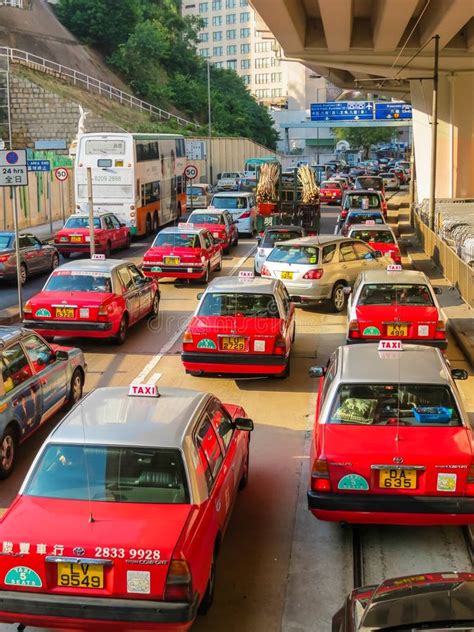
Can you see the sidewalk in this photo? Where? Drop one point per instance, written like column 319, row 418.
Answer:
column 43, row 231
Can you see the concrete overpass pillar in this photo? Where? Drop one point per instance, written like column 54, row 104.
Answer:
column 455, row 163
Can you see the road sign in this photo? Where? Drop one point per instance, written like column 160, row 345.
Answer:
column 196, row 149
column 191, row 172
column 14, row 176
column 12, row 158
column 61, row 174
column 342, row 111
column 39, row 165
column 393, row 110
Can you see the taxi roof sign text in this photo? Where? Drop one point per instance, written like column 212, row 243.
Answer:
column 394, row 267
column 390, row 345
column 185, row 225
column 143, row 390
column 98, row 257
column 246, row 274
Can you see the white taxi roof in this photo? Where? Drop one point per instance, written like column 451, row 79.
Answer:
column 402, row 276
column 370, row 227
column 209, row 211
column 256, row 285
column 109, row 416
column 416, row 364
column 175, row 230
column 89, row 265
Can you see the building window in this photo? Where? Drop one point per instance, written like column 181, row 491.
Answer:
column 203, row 7
column 216, row 5
column 262, row 62
column 245, row 16
column 219, row 64
column 205, row 22
column 231, row 18
column 232, row 64
column 262, row 47
column 203, row 37
column 245, row 32
column 230, row 4
column 244, row 49
column 231, row 34
column 245, row 63
column 232, row 49
column 204, row 52
column 276, row 61
column 261, row 78
column 276, row 77
column 217, row 36
column 276, row 92
column 245, row 79
column 262, row 93
column 216, row 20
column 244, row 3
column 217, row 51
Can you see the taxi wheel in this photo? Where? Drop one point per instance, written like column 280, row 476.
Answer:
column 23, row 274
column 206, row 276
column 208, row 598
column 122, row 331
column 128, row 241
column 76, row 388
column 219, row 265
column 236, row 240
column 338, row 298
column 54, row 262
column 156, row 306
column 245, row 475
column 8, row 447
column 148, row 226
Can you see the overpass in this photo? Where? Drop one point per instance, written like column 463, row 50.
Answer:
column 387, row 47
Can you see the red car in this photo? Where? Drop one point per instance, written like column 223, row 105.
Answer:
column 395, row 303
column 109, row 233
column 379, row 237
column 93, row 299
column 401, row 175
column 183, row 252
column 119, row 523
column 392, row 442
column 331, row 192
column 220, row 224
column 241, row 326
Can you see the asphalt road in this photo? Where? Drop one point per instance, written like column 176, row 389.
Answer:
column 279, row 569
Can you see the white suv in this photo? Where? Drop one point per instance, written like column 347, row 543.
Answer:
column 242, row 206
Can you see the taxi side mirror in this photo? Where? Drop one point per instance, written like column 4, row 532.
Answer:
column 317, row 371
column 459, row 374
column 62, row 355
column 243, row 423
column 438, row 290
column 199, row 295
column 378, row 254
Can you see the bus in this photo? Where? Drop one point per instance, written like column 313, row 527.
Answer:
column 138, row 177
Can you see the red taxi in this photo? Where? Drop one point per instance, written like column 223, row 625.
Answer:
column 109, row 233
column 93, row 298
column 241, row 326
column 395, row 303
column 392, row 442
column 379, row 237
column 183, row 252
column 220, row 224
column 120, row 520
column 331, row 192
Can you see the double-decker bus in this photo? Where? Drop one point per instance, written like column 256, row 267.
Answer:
column 138, row 177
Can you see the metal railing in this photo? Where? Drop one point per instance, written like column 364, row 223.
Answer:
column 458, row 273
column 89, row 83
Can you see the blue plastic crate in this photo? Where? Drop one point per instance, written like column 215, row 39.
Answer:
column 433, row 414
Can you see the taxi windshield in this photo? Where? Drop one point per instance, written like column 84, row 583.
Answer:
column 386, row 404
column 361, row 201
column 294, row 254
column 110, row 474
column 361, row 218
column 395, row 294
column 72, row 281
column 206, row 218
column 279, row 235
column 81, row 222
column 231, row 203
column 176, row 240
column 235, row 304
column 379, row 236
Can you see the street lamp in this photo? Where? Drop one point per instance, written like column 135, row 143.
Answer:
column 209, row 120
column 317, row 100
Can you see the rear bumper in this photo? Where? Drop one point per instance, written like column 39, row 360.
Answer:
column 233, row 362
column 176, row 272
column 56, row 327
column 439, row 344
column 64, row 610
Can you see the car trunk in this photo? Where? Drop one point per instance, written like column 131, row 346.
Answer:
column 173, row 256
column 397, row 448
column 218, row 231
column 387, row 249
column 400, row 321
column 130, row 537
column 75, row 235
column 68, row 306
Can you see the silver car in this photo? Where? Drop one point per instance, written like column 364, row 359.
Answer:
column 316, row 269
column 390, row 181
column 35, row 256
column 268, row 240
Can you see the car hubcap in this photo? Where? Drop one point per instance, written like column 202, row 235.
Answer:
column 77, row 389
column 339, row 298
column 7, row 452
column 156, row 305
column 22, row 275
column 55, row 262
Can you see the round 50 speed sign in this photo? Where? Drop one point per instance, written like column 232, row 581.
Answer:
column 61, row 174
column 191, row 172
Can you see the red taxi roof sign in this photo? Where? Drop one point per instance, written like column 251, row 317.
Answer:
column 390, row 345
column 98, row 257
column 143, row 390
column 246, row 274
column 370, row 222
column 185, row 225
column 394, row 267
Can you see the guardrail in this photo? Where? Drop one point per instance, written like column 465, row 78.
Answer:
column 458, row 273
column 91, row 84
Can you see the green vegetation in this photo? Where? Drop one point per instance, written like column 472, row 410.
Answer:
column 153, row 48
column 363, row 137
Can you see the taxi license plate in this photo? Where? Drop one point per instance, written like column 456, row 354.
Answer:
column 232, row 343
column 65, row 312
column 397, row 479
column 397, row 330
column 80, row 575
column 171, row 261
column 76, row 238
column 287, row 275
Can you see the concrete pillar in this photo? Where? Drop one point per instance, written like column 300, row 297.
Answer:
column 455, row 163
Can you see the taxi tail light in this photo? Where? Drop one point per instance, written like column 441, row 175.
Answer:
column 103, row 311
column 354, row 331
column 280, row 344
column 179, row 586
column 27, row 309
column 4, row 258
column 314, row 274
column 265, row 271
column 470, row 480
column 440, row 331
column 320, row 481
column 188, row 338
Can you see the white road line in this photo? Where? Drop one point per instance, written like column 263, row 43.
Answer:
column 174, row 339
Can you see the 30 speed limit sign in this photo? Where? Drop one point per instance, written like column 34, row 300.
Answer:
column 191, row 172
column 61, row 174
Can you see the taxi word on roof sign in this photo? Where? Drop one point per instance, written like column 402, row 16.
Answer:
column 246, row 274
column 98, row 257
column 390, row 345
column 394, row 267
column 370, row 222
column 185, row 225
column 143, row 390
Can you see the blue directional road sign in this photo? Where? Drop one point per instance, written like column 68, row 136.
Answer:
column 38, row 165
column 396, row 111
column 342, row 111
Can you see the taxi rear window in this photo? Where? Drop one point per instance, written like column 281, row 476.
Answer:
column 176, row 240
column 294, row 254
column 361, row 218
column 380, row 236
column 65, row 281
column 279, row 235
column 399, row 294
column 330, row 184
column 357, row 201
column 206, row 218
column 231, row 203
column 386, row 404
column 81, row 222
column 110, row 474
column 234, row 304
column 5, row 241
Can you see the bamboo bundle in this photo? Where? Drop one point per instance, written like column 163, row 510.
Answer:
column 310, row 192
column 267, row 183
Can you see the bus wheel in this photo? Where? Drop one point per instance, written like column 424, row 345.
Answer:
column 155, row 223
column 147, row 225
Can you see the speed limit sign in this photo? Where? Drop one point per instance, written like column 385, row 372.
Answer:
column 61, row 174
column 191, row 172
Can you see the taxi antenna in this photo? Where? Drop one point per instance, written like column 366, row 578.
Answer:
column 91, row 517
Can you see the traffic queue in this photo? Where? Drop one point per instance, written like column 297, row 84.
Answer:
column 391, row 442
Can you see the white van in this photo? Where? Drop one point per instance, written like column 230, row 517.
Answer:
column 242, row 206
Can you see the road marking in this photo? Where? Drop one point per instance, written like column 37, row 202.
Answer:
column 148, row 368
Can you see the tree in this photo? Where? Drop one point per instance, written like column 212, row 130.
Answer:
column 363, row 137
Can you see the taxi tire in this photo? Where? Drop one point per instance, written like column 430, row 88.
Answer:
column 119, row 338
column 11, row 436
column 54, row 262
column 205, row 278
column 219, row 266
column 23, row 273
column 76, row 387
column 336, row 305
column 245, row 474
column 208, row 598
column 155, row 308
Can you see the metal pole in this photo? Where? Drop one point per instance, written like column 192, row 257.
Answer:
column 317, row 145
column 434, row 135
column 192, row 195
column 48, row 193
column 91, row 210
column 209, row 120
column 61, row 193
column 17, row 252
column 412, row 183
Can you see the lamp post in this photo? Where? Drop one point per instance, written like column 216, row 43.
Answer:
column 209, row 121
column 317, row 100
column 434, row 135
